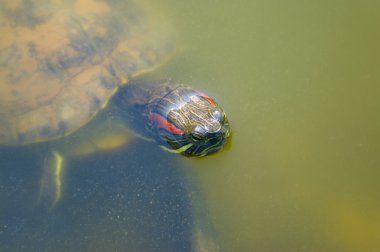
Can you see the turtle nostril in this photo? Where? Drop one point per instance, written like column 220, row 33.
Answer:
column 217, row 115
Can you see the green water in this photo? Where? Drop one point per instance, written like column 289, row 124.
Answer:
column 299, row 81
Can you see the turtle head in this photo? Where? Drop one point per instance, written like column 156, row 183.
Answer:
column 189, row 122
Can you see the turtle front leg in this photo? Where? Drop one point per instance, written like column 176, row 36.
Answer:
column 51, row 180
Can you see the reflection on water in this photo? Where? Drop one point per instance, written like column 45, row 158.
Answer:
column 113, row 202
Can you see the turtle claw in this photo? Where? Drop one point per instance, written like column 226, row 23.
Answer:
column 51, row 181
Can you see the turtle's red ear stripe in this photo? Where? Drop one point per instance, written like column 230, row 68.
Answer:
column 208, row 98
column 161, row 122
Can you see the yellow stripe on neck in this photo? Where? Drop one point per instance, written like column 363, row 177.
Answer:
column 179, row 150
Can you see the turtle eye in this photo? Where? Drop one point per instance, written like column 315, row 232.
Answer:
column 198, row 133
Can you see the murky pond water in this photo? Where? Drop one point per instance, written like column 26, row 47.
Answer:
column 299, row 82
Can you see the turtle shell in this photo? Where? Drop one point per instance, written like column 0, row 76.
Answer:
column 61, row 61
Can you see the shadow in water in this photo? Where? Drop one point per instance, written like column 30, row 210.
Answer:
column 136, row 199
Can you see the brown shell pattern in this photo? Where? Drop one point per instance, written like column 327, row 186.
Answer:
column 62, row 60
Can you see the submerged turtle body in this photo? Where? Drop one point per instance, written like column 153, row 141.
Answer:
column 62, row 61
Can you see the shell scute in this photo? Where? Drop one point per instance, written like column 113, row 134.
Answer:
column 61, row 62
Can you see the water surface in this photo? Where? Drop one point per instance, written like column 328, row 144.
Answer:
column 299, row 82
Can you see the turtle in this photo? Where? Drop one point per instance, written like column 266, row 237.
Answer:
column 77, row 66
